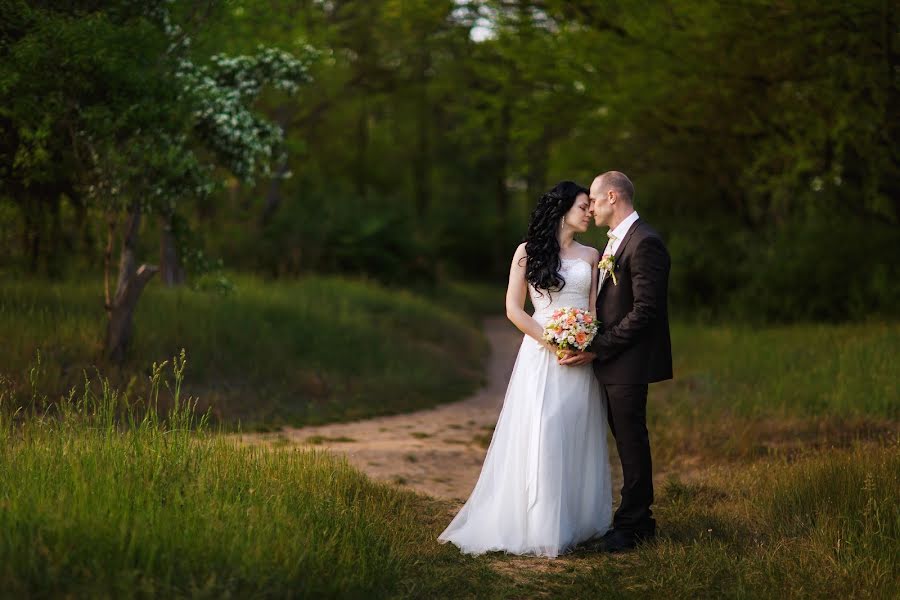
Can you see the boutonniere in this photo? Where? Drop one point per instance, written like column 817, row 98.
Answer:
column 608, row 264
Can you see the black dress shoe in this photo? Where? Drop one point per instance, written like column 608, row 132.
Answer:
column 619, row 540
column 595, row 544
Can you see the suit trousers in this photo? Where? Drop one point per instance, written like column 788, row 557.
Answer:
column 627, row 416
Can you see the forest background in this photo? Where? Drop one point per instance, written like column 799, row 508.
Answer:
column 417, row 137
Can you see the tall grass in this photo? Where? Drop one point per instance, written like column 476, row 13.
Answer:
column 307, row 351
column 826, row 525
column 800, row 370
column 745, row 393
column 105, row 495
column 102, row 497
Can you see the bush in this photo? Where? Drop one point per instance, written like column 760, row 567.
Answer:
column 816, row 270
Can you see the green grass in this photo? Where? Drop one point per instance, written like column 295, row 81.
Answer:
column 101, row 497
column 802, row 370
column 779, row 451
column 316, row 440
column 826, row 525
column 315, row 350
column 740, row 393
column 472, row 298
column 167, row 508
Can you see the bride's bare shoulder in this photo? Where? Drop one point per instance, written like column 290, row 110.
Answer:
column 589, row 253
column 520, row 255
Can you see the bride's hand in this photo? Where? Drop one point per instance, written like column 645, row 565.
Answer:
column 549, row 347
column 563, row 354
column 576, row 359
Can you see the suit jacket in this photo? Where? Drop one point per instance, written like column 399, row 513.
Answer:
column 633, row 344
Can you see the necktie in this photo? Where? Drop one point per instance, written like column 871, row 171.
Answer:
column 609, row 244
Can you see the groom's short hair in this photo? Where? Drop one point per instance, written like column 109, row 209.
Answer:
column 618, row 181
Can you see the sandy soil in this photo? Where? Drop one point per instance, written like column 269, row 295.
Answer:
column 437, row 451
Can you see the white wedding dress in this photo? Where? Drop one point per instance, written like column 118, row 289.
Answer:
column 545, row 483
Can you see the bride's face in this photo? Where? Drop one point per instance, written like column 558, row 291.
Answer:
column 579, row 216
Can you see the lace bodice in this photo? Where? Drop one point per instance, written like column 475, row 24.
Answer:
column 576, row 293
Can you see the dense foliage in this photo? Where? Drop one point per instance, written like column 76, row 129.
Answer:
column 761, row 136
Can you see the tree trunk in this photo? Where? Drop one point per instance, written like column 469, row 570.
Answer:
column 284, row 115
column 501, row 190
column 362, row 143
column 130, row 285
column 31, row 233
column 535, row 180
column 421, row 162
column 170, row 269
column 501, row 153
column 54, row 239
column 86, row 240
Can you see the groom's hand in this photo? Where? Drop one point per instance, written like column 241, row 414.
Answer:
column 576, row 359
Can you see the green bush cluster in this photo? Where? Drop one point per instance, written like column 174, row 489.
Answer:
column 813, row 270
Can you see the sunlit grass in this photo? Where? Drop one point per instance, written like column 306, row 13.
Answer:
column 308, row 351
column 103, row 496
column 100, row 497
column 800, row 370
column 778, row 447
column 826, row 525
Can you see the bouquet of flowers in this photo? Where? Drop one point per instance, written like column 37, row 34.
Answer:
column 570, row 328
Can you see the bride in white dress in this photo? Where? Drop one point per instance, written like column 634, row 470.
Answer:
column 545, row 483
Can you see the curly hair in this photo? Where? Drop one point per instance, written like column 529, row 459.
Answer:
column 541, row 242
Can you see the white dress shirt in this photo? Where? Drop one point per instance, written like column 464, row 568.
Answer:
column 616, row 235
column 615, row 238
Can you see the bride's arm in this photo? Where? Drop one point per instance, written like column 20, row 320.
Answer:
column 595, row 278
column 515, row 298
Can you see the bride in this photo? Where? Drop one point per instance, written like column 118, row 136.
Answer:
column 545, row 483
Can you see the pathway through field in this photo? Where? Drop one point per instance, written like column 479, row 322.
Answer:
column 438, row 451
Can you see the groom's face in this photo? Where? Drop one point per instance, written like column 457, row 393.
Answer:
column 601, row 205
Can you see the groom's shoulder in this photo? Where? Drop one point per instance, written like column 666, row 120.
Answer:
column 645, row 230
column 647, row 237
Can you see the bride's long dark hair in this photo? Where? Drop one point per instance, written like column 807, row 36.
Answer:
column 542, row 241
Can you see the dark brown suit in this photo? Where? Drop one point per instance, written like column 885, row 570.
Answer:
column 634, row 349
column 633, row 345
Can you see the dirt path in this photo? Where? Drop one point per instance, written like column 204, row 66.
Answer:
column 437, row 451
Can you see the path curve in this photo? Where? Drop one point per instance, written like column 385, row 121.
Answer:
column 438, row 451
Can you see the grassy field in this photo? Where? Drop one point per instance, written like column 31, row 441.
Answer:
column 165, row 507
column 823, row 525
column 841, row 370
column 742, row 394
column 778, row 452
column 314, row 350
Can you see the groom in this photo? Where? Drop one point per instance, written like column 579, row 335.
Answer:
column 632, row 348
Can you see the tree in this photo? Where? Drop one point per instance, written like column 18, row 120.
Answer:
column 134, row 125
